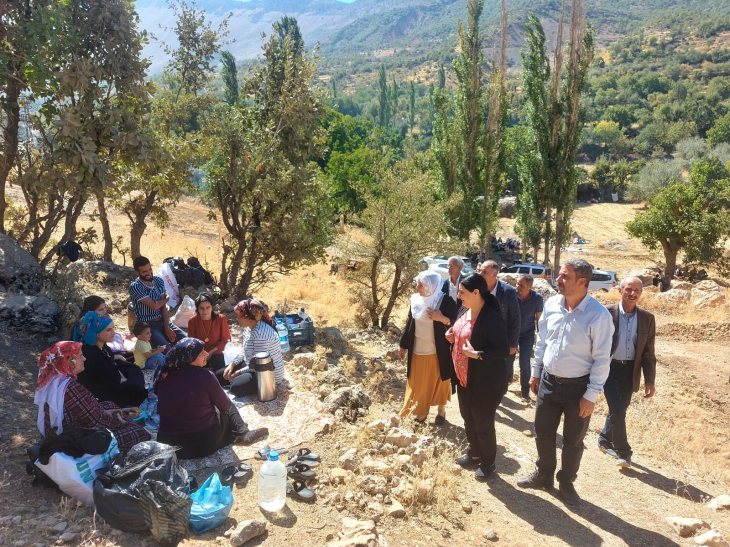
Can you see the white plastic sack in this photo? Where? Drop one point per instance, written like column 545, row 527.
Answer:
column 75, row 476
column 165, row 272
column 230, row 352
column 117, row 345
column 184, row 312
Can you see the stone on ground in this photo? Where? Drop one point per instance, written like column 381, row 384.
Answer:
column 356, row 533
column 247, row 530
column 712, row 538
column 30, row 314
column 18, row 269
column 686, row 527
column 719, row 503
column 396, row 510
column 352, row 397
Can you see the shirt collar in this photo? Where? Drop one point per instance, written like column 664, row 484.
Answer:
column 621, row 309
column 580, row 307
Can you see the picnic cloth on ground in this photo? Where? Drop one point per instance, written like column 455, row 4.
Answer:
column 293, row 417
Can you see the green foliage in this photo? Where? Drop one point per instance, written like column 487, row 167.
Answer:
column 404, row 222
column 260, row 177
column 720, row 131
column 230, row 77
column 654, row 178
column 693, row 218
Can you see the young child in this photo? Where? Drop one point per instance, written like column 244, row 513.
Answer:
column 144, row 356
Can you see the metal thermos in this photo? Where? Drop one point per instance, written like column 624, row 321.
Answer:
column 264, row 367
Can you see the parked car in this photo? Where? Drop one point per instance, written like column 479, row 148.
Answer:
column 442, row 267
column 602, row 279
column 535, row 270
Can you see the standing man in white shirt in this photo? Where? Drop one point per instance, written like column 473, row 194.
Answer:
column 572, row 362
column 451, row 285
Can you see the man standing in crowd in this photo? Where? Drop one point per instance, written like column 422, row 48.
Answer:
column 632, row 352
column 148, row 296
column 451, row 285
column 572, row 361
column 508, row 301
column 531, row 306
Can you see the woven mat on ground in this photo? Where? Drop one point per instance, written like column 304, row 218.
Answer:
column 293, row 418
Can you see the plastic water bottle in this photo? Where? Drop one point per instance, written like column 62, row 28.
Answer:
column 272, row 483
column 303, row 315
column 283, row 333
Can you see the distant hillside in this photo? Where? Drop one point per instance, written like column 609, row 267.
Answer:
column 424, row 30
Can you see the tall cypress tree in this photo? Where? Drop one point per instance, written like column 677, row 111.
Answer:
column 383, row 98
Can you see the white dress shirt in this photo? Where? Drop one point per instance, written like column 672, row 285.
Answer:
column 571, row 344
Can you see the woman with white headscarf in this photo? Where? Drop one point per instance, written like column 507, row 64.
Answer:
column 429, row 353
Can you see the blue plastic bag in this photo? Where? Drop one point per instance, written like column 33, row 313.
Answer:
column 211, row 505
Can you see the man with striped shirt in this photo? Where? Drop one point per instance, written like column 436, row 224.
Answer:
column 149, row 298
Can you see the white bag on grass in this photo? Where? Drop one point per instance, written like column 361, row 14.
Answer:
column 184, row 313
column 230, row 352
column 75, row 476
column 165, row 272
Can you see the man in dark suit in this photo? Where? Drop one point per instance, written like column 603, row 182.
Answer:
column 508, row 301
column 451, row 285
column 632, row 352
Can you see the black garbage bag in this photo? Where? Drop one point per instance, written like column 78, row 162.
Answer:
column 117, row 492
column 166, row 512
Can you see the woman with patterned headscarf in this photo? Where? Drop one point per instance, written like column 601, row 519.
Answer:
column 106, row 378
column 188, row 396
column 259, row 335
column 429, row 353
column 212, row 329
column 65, row 404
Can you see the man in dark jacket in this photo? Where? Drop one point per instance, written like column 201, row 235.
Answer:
column 451, row 285
column 508, row 301
column 632, row 352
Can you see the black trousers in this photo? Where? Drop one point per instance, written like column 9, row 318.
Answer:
column 216, row 363
column 242, row 385
column 478, row 413
column 556, row 399
column 199, row 444
column 618, row 390
column 132, row 392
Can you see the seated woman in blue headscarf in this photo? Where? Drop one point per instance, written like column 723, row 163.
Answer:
column 108, row 379
column 195, row 412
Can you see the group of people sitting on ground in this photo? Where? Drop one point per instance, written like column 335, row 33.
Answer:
column 83, row 383
column 462, row 336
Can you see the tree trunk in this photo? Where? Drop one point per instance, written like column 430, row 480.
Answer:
column 224, row 266
column 235, row 268
column 548, row 226
column 394, row 293
column 11, row 109
column 74, row 210
column 670, row 256
column 558, row 239
column 138, row 221
column 106, row 230
column 374, row 289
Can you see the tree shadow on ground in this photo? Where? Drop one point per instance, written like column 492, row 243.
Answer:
column 666, row 484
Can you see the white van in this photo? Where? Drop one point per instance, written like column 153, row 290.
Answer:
column 535, row 270
column 603, row 279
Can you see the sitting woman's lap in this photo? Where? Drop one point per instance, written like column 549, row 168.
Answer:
column 242, row 385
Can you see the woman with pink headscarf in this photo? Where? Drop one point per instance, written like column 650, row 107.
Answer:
column 259, row 335
column 65, row 404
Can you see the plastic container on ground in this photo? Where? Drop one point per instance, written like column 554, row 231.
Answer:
column 272, row 483
column 283, row 333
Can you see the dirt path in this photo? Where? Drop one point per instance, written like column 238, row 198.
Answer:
column 671, row 477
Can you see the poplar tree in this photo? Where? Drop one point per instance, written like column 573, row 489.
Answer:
column 555, row 116
column 383, row 98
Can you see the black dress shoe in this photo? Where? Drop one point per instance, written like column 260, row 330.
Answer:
column 568, row 493
column 440, row 420
column 467, row 462
column 536, row 480
column 482, row 474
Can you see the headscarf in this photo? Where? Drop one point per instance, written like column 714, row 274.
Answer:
column 205, row 297
column 88, row 329
column 179, row 356
column 55, row 368
column 433, row 283
column 253, row 309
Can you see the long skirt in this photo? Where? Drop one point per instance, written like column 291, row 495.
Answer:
column 425, row 387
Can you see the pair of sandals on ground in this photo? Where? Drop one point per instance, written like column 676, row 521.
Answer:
column 299, row 469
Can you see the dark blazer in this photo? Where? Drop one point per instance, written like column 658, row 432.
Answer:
column 507, row 297
column 445, row 289
column 487, row 376
column 645, row 333
column 443, row 348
